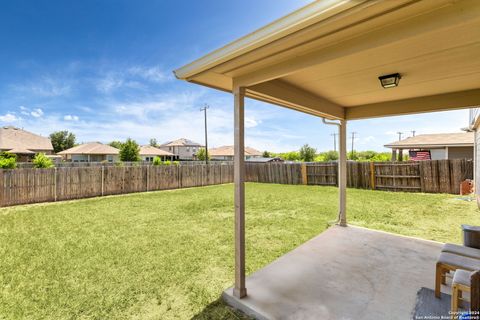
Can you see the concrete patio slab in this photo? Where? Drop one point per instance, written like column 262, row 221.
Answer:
column 343, row 273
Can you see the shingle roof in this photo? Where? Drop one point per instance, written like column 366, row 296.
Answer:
column 182, row 142
column 152, row 151
column 228, row 151
column 435, row 140
column 91, row 148
column 16, row 138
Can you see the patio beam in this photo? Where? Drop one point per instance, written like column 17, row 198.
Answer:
column 439, row 102
column 239, row 290
column 342, row 174
column 298, row 99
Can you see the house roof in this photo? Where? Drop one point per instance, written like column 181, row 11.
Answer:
column 21, row 151
column 226, row 151
column 91, row 148
column 152, row 151
column 435, row 140
column 325, row 58
column 12, row 138
column 182, row 142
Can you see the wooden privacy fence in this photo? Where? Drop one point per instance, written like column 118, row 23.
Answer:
column 21, row 186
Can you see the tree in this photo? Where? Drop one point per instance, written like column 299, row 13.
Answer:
column 327, row 156
column 307, row 153
column 130, row 151
column 42, row 161
column 153, row 142
column 290, row 156
column 266, row 154
column 116, row 144
column 202, row 154
column 62, row 140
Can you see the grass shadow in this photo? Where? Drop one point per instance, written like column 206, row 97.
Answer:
column 219, row 310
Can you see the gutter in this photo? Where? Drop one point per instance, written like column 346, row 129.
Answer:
column 334, row 123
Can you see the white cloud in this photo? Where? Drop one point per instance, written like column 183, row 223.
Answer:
column 70, row 117
column 109, row 83
column 154, row 74
column 9, row 117
column 37, row 113
column 46, row 86
column 251, row 122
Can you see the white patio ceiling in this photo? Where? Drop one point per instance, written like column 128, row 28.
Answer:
column 325, row 59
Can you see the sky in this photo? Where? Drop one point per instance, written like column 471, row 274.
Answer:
column 103, row 70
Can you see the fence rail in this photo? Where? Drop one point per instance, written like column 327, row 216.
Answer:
column 22, row 186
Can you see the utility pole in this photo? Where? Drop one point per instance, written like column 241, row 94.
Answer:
column 204, row 109
column 334, row 135
column 353, row 139
column 399, row 135
column 413, row 133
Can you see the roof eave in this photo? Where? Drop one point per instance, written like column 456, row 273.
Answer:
column 305, row 16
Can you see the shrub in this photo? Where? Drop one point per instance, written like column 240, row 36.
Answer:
column 119, row 164
column 157, row 161
column 202, row 154
column 42, row 161
column 167, row 162
column 176, row 163
column 8, row 160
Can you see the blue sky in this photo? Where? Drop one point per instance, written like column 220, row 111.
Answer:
column 103, row 70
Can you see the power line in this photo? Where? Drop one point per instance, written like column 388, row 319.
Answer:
column 334, row 135
column 399, row 135
column 204, row 109
column 353, row 139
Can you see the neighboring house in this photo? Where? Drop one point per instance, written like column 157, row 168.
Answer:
column 91, row 152
column 435, row 146
column 265, row 160
column 147, row 153
column 23, row 143
column 226, row 153
column 182, row 148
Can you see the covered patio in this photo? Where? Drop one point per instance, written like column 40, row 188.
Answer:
column 377, row 279
column 343, row 61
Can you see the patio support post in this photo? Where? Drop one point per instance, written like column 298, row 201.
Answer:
column 342, row 173
column 239, row 179
column 394, row 155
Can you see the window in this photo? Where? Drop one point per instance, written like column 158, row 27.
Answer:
column 188, row 149
column 169, row 148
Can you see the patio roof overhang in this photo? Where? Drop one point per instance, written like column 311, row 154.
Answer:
column 325, row 59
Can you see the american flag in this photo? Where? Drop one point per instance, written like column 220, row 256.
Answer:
column 419, row 155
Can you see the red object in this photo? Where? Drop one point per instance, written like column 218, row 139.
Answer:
column 466, row 187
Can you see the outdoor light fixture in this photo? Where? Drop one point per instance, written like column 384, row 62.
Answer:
column 390, row 80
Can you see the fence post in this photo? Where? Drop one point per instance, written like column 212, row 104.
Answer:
column 103, row 180
column 304, row 173
column 148, row 176
column 372, row 175
column 55, row 183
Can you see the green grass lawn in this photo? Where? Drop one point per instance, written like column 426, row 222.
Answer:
column 169, row 254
